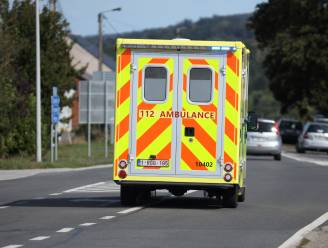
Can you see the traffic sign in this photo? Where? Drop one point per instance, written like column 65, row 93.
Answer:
column 55, row 100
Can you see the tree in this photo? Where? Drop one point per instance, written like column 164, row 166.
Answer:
column 17, row 70
column 294, row 35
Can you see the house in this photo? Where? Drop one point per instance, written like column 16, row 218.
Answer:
column 83, row 55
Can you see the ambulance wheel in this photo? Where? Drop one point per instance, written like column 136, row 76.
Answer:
column 230, row 198
column 241, row 197
column 128, row 195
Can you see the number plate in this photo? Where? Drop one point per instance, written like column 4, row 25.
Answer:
column 153, row 162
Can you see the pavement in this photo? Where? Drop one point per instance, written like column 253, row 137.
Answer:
column 81, row 208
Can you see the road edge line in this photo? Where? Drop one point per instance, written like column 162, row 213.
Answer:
column 304, row 160
column 298, row 236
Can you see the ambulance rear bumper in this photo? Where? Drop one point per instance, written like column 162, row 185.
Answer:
column 170, row 185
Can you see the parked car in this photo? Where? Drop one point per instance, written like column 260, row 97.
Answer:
column 289, row 130
column 265, row 140
column 314, row 137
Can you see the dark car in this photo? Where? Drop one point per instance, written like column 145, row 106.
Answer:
column 290, row 130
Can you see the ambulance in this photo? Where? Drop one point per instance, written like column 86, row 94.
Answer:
column 181, row 118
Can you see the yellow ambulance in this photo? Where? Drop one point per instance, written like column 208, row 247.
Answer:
column 181, row 118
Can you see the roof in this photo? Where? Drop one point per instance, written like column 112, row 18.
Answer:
column 177, row 43
column 84, row 54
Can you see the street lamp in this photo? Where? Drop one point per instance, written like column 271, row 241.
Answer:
column 100, row 36
column 38, row 85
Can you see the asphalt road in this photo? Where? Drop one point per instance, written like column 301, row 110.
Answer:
column 84, row 207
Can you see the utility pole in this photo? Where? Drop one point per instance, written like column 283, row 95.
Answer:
column 38, row 86
column 100, row 41
column 52, row 5
column 100, row 36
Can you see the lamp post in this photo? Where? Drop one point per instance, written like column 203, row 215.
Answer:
column 100, row 36
column 38, row 85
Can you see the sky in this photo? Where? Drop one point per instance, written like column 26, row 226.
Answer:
column 142, row 14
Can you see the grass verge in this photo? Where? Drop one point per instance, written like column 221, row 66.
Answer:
column 69, row 156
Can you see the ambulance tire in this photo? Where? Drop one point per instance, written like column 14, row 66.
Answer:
column 128, row 195
column 230, row 198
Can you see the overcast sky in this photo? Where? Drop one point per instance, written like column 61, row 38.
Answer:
column 141, row 14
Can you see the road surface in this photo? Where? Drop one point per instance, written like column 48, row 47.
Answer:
column 82, row 209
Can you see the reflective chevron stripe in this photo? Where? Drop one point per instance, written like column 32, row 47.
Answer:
column 122, row 116
column 231, row 122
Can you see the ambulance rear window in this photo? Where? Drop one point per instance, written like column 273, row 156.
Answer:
column 200, row 85
column 155, row 84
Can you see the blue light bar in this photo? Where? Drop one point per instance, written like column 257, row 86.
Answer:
column 223, row 48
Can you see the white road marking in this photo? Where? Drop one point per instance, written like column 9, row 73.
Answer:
column 65, row 230
column 100, row 187
column 56, row 194
column 40, row 238
column 3, row 207
column 107, row 217
column 298, row 236
column 304, row 159
column 12, row 246
column 129, row 210
column 88, row 224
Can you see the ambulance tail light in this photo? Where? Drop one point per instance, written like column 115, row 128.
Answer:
column 122, row 164
column 227, row 177
column 228, row 167
column 122, row 174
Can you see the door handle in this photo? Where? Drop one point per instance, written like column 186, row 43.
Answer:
column 189, row 132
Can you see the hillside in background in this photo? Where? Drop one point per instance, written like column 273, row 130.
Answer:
column 224, row 28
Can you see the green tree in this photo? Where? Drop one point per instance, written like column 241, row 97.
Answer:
column 294, row 35
column 17, row 70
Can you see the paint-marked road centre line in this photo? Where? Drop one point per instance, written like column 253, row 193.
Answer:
column 83, row 187
column 88, row 224
column 129, row 210
column 40, row 238
column 106, row 217
column 298, row 236
column 3, row 207
column 65, row 230
column 12, row 246
column 304, row 159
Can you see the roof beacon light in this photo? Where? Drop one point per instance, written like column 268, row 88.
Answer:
column 223, row 48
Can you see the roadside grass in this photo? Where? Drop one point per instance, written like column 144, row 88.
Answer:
column 69, row 156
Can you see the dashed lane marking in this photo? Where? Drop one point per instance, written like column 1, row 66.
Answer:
column 129, row 210
column 3, row 207
column 88, row 224
column 106, row 217
column 297, row 237
column 12, row 246
column 101, row 187
column 65, row 230
column 54, row 194
column 40, row 238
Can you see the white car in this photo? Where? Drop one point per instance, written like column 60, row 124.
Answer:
column 265, row 140
column 314, row 137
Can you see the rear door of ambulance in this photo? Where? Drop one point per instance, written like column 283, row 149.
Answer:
column 177, row 103
column 200, row 100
